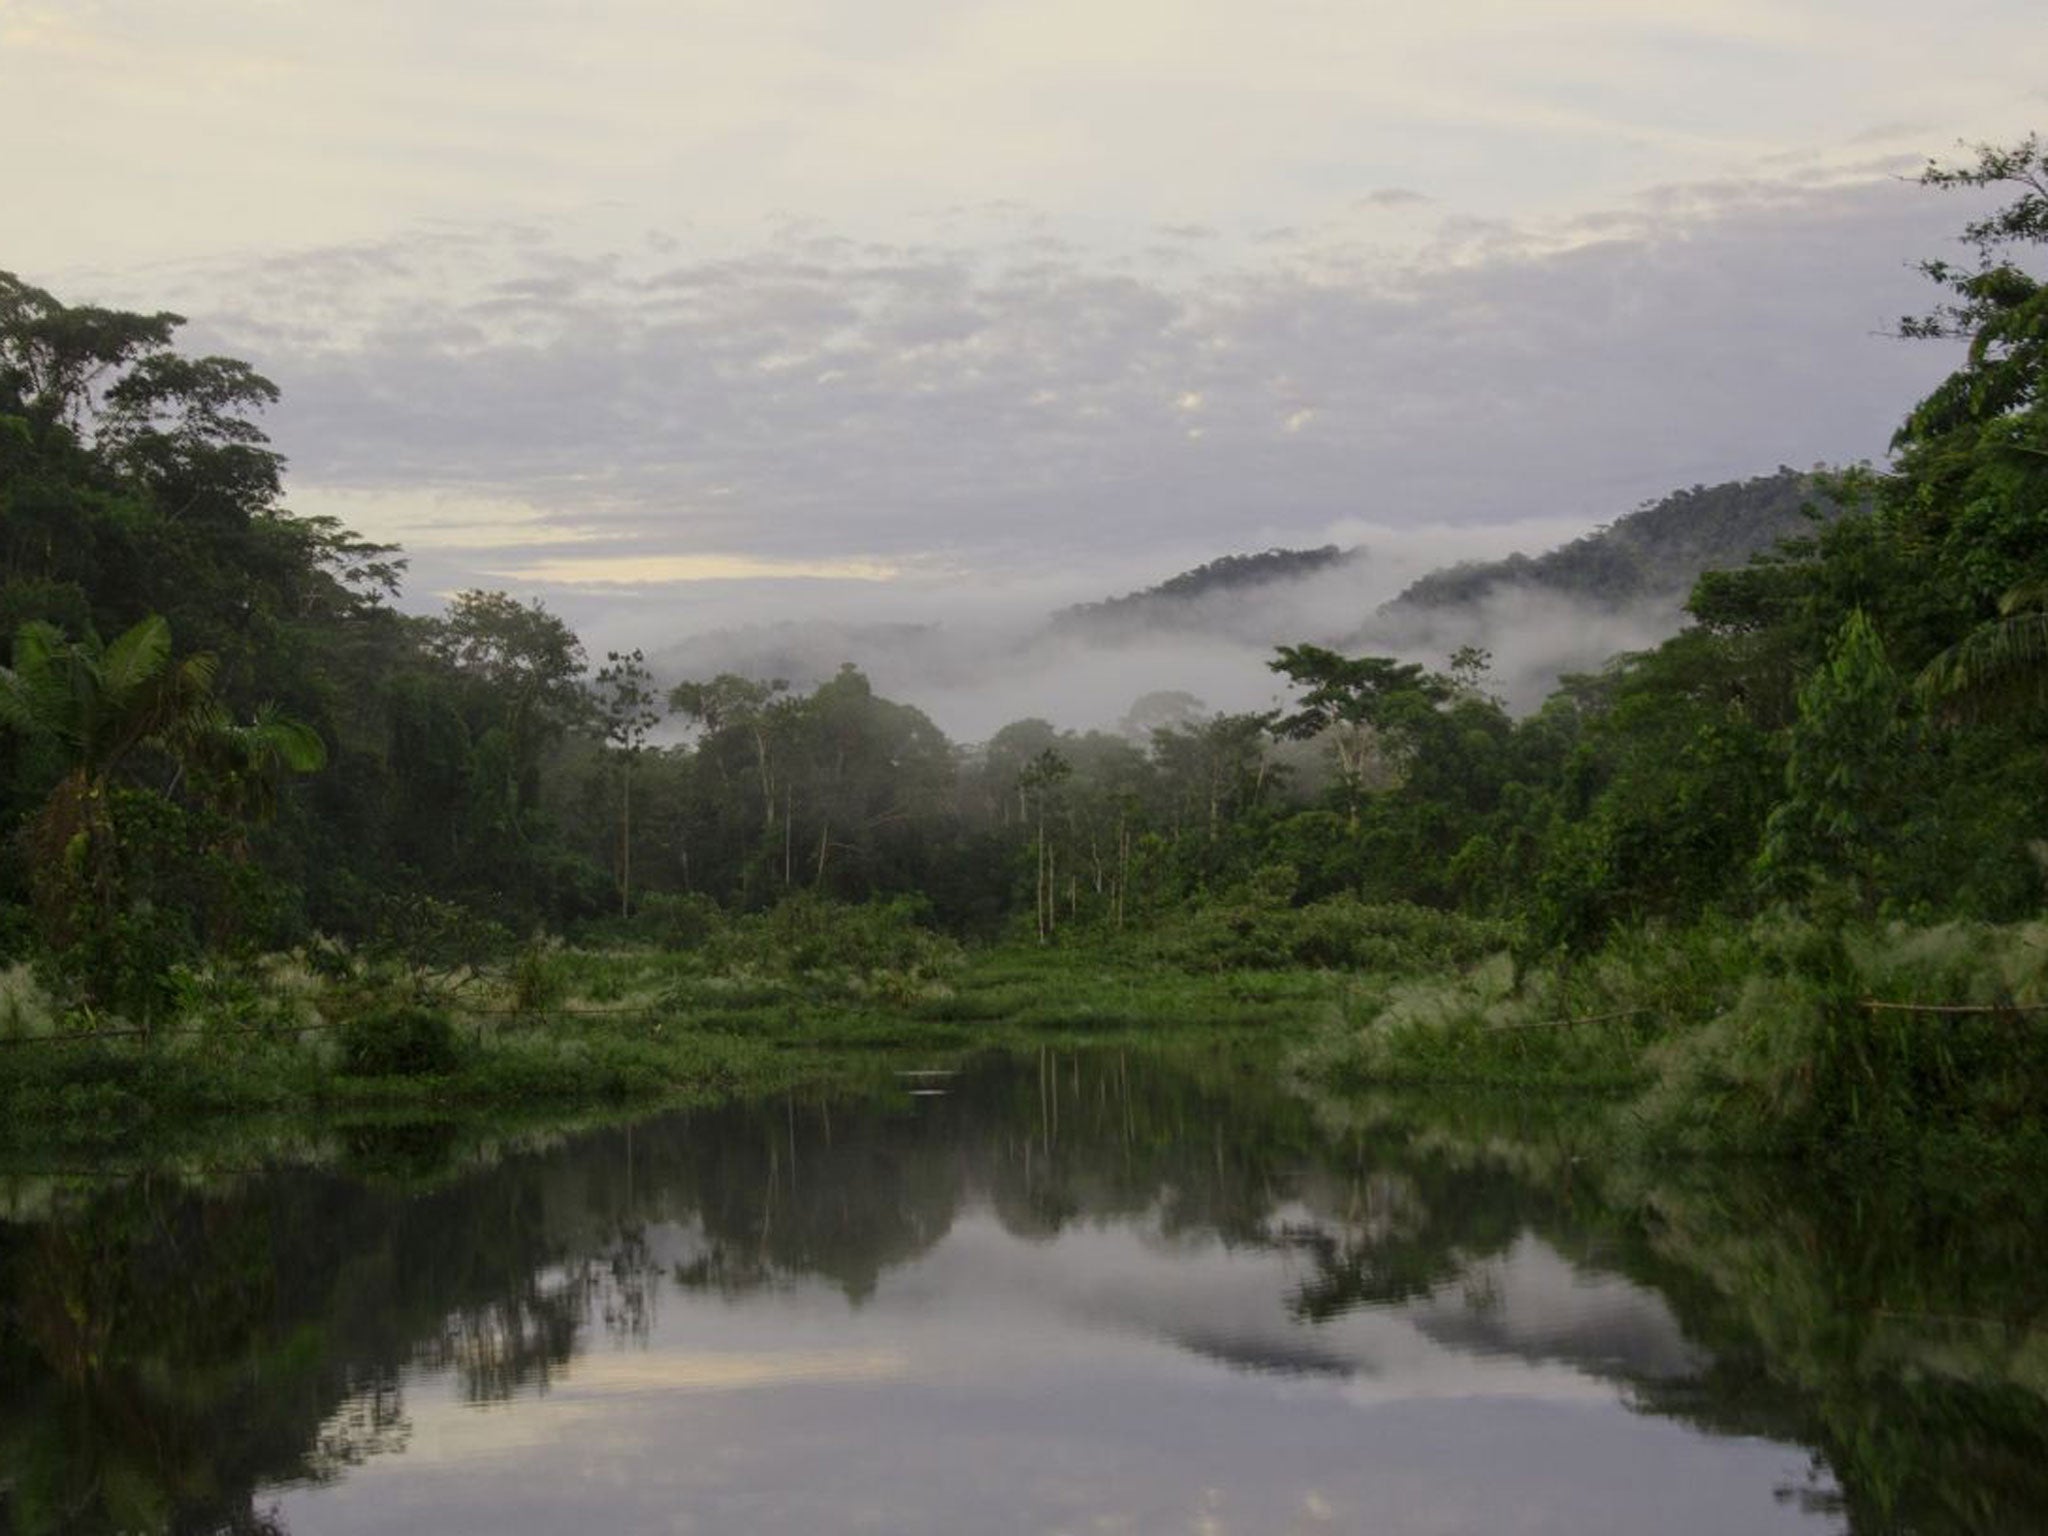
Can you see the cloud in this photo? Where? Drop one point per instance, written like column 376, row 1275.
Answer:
column 198, row 129
column 960, row 415
column 663, row 570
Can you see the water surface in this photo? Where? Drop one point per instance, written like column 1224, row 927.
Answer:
column 1070, row 1293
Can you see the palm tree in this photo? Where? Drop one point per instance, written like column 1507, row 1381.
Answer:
column 2000, row 666
column 238, row 768
column 95, row 706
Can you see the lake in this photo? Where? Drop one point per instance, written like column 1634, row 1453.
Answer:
column 1073, row 1292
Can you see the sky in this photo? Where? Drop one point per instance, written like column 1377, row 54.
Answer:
column 685, row 315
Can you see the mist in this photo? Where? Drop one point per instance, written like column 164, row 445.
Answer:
column 1082, row 668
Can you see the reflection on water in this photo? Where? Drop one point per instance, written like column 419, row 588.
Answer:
column 1072, row 1293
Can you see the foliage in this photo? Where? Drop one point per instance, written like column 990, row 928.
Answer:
column 1841, row 768
column 2000, row 666
column 405, row 1039
column 1828, row 1039
column 874, row 943
column 1657, row 551
column 1256, row 926
column 1800, row 1060
column 538, row 980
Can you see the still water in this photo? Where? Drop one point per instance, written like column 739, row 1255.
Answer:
column 1067, row 1293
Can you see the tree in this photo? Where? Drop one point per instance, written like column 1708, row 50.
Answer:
column 1971, row 467
column 866, row 777
column 53, row 356
column 744, row 725
column 628, row 707
column 2000, row 666
column 1973, row 456
column 1160, row 709
column 92, row 708
column 1366, row 707
column 1214, row 768
column 1039, row 778
column 527, row 665
column 1842, row 766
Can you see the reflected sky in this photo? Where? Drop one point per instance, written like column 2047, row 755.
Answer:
column 1124, row 1373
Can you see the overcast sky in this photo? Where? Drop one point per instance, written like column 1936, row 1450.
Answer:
column 678, row 314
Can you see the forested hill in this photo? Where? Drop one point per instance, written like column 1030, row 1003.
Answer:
column 1211, row 630
column 1185, row 601
column 1656, row 552
column 1651, row 556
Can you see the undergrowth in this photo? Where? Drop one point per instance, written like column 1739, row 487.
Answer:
column 1782, row 1036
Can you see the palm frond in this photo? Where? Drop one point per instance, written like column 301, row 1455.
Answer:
column 273, row 742
column 2031, row 593
column 134, row 657
column 1997, row 667
column 34, row 644
column 17, row 704
column 52, row 683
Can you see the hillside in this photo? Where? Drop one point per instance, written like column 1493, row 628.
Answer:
column 1655, row 552
column 1190, row 600
column 1211, row 630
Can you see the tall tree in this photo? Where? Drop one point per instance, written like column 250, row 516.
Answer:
column 527, row 665
column 1843, row 763
column 1039, row 782
column 1365, row 707
column 1971, row 468
column 628, row 707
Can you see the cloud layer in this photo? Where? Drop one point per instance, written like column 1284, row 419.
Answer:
column 821, row 406
column 685, row 316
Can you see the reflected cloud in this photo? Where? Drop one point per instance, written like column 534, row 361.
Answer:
column 656, row 1370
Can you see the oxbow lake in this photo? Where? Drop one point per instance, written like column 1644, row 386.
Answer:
column 1086, row 1293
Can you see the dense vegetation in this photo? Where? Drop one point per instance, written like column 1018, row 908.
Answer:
column 223, row 742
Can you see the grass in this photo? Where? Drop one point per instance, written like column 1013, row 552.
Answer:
column 1719, row 1038
column 576, row 1029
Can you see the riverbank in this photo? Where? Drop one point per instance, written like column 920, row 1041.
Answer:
column 561, row 1030
column 1782, row 1037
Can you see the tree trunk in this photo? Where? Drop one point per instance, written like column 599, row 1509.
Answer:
column 1038, row 889
column 626, row 837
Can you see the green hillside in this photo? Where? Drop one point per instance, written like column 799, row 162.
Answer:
column 1657, row 551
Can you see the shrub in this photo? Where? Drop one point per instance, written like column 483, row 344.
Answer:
column 676, row 922
column 874, row 944
column 1255, row 926
column 538, row 980
column 398, row 1040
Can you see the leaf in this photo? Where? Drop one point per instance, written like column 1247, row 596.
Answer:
column 135, row 657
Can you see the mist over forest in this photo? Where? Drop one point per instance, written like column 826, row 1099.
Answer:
column 1210, row 633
